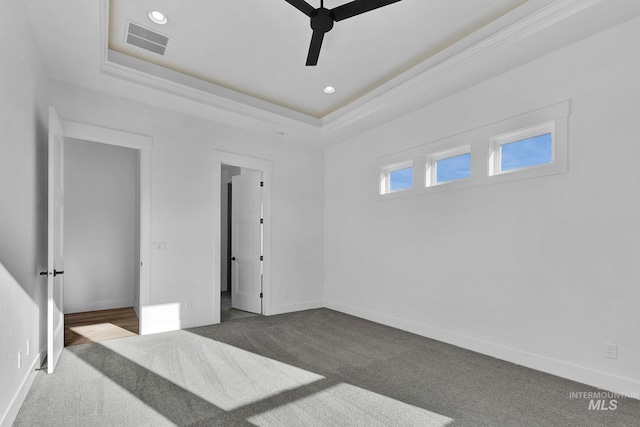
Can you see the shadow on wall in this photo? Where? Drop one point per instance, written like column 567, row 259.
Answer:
column 41, row 204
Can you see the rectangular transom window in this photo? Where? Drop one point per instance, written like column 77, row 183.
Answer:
column 523, row 149
column 396, row 178
column 401, row 179
column 525, row 146
column 449, row 165
column 453, row 168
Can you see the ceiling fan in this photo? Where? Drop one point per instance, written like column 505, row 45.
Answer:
column 322, row 19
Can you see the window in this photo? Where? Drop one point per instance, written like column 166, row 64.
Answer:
column 522, row 149
column 396, row 178
column 401, row 179
column 525, row 146
column 452, row 168
column 449, row 165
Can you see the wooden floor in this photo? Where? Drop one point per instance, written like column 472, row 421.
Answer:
column 102, row 325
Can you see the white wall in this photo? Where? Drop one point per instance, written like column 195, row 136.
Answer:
column 23, row 207
column 100, row 226
column 541, row 272
column 183, row 205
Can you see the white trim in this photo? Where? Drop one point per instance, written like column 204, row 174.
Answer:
column 98, row 134
column 239, row 106
column 400, row 87
column 11, row 413
column 432, row 164
column 266, row 166
column 142, row 143
column 126, row 67
column 144, row 299
column 538, row 362
column 179, row 324
column 385, row 176
column 479, row 141
column 496, row 143
column 97, row 305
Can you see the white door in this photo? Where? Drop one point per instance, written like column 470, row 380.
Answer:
column 246, row 242
column 55, row 263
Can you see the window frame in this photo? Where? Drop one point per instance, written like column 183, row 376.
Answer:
column 432, row 164
column 496, row 143
column 552, row 119
column 385, row 177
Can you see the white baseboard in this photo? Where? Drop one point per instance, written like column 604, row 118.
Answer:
column 300, row 306
column 193, row 322
column 97, row 305
column 174, row 325
column 10, row 415
column 556, row 367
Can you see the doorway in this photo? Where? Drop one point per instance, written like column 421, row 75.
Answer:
column 58, row 131
column 242, row 239
column 241, row 243
column 141, row 146
column 101, row 241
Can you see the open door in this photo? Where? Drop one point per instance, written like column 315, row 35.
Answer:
column 246, row 246
column 55, row 259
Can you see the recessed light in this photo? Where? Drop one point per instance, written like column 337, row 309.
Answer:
column 329, row 89
column 158, row 17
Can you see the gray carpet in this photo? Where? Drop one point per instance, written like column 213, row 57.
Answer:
column 229, row 313
column 313, row 368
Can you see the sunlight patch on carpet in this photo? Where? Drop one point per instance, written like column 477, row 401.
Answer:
column 226, row 376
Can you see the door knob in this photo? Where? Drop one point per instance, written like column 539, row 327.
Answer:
column 233, row 258
column 44, row 273
column 56, row 272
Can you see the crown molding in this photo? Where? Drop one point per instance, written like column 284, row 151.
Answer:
column 116, row 64
column 378, row 101
column 398, row 89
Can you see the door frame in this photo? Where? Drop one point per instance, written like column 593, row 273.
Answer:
column 143, row 144
column 266, row 166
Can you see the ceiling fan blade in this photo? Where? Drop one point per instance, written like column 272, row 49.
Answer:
column 314, row 48
column 357, row 7
column 302, row 6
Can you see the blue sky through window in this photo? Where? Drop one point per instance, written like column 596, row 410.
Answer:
column 452, row 168
column 401, row 179
column 526, row 152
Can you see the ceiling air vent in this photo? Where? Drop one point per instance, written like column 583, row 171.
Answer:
column 145, row 38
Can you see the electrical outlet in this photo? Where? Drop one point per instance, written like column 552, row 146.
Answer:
column 286, row 293
column 361, row 298
column 19, row 360
column 611, row 350
column 189, row 304
column 28, row 347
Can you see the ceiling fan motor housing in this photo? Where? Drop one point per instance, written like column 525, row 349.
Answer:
column 322, row 20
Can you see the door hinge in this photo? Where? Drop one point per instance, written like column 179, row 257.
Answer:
column 261, row 258
column 261, row 183
column 261, row 220
column 260, row 294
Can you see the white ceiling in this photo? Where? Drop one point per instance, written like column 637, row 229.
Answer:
column 242, row 62
column 259, row 47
